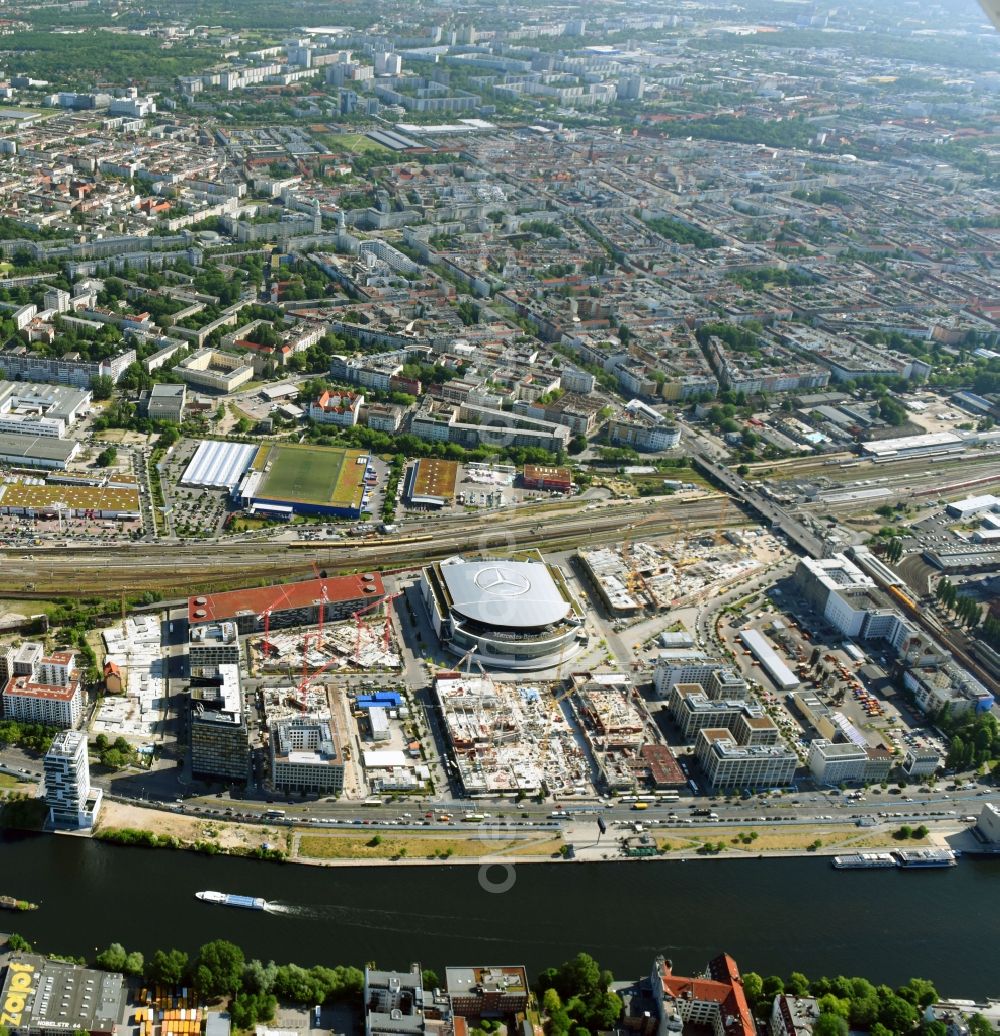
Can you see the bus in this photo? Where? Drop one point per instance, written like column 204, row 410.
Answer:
column 625, row 799
column 640, row 805
column 474, row 818
column 373, row 801
column 668, row 796
column 695, row 790
column 274, row 814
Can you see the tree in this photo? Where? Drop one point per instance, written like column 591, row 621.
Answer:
column 830, row 1025
column 773, row 986
column 167, row 968
column 863, row 1012
column 896, row 1014
column 259, row 977
column 113, row 958
column 134, row 963
column 430, row 979
column 107, row 456
column 832, row 1004
column 918, row 991
column 219, row 970
column 979, row 1025
column 102, row 386
column 753, row 987
column 797, row 984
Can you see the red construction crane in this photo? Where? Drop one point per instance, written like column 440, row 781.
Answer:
column 317, row 637
column 265, row 615
column 362, row 611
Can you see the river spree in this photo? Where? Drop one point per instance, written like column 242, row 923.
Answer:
column 773, row 915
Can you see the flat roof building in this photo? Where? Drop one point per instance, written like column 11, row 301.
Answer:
column 220, row 745
column 837, row 763
column 68, row 794
column 487, row 992
column 782, row 676
column 727, row 764
column 49, row 692
column 60, row 998
column 213, row 643
column 290, row 604
column 35, row 451
column 306, row 754
column 431, row 482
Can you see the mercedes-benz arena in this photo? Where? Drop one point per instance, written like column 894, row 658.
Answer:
column 516, row 614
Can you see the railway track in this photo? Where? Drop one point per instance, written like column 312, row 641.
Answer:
column 184, row 569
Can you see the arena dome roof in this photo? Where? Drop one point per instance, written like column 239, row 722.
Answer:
column 512, row 594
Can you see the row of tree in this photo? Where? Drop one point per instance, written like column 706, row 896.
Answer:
column 964, row 609
column 847, row 1004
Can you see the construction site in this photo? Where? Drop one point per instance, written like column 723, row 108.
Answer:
column 135, row 671
column 364, row 642
column 618, row 729
column 512, row 738
column 341, row 647
column 648, row 576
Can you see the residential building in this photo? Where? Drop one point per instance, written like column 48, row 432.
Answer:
column 487, row 992
column 21, row 364
column 714, row 999
column 640, row 432
column 49, row 693
column 68, row 794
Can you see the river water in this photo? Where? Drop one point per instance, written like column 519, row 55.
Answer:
column 773, row 916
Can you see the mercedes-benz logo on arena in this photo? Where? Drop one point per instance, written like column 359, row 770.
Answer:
column 502, row 584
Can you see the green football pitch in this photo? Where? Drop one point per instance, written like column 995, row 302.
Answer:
column 309, row 474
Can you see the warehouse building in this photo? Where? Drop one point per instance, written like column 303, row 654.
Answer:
column 431, row 483
column 33, row 451
column 289, row 604
column 782, row 676
column 42, row 997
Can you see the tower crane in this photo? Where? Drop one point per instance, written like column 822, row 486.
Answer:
column 265, row 617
